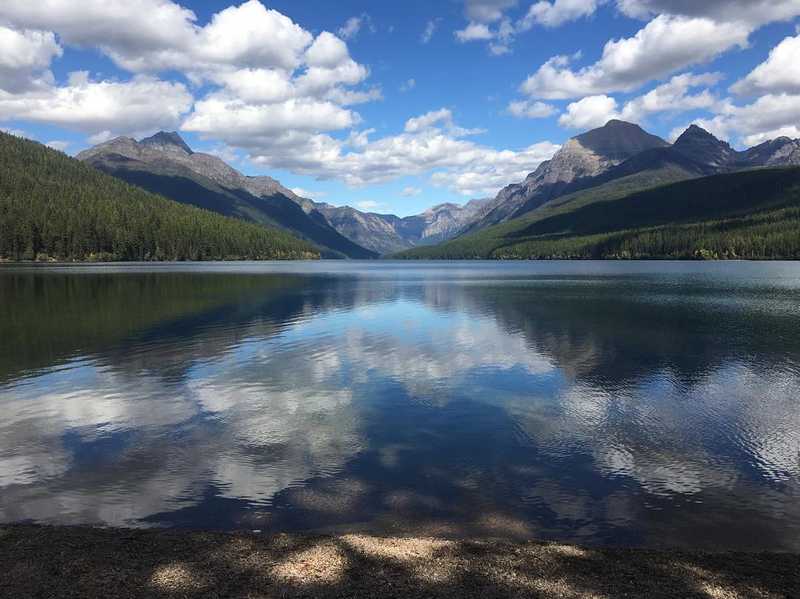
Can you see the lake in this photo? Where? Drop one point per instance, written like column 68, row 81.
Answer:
column 644, row 403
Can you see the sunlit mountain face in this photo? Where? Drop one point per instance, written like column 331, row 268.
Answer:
column 647, row 404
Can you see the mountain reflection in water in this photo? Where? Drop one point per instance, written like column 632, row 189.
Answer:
column 633, row 403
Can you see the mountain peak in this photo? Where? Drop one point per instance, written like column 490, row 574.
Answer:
column 166, row 140
column 696, row 133
column 697, row 136
column 619, row 123
column 700, row 145
column 618, row 140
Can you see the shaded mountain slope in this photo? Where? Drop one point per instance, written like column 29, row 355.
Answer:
column 164, row 164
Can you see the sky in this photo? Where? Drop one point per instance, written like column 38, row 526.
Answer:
column 395, row 106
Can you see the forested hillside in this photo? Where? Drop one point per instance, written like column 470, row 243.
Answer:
column 750, row 214
column 164, row 164
column 55, row 207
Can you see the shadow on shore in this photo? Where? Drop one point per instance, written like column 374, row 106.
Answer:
column 39, row 561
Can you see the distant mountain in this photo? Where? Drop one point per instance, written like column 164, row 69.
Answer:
column 777, row 152
column 749, row 214
column 620, row 150
column 386, row 233
column 53, row 207
column 166, row 165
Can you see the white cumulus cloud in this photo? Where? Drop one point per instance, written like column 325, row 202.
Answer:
column 779, row 73
column 25, row 58
column 140, row 105
column 530, row 109
column 674, row 96
column 753, row 12
column 664, row 45
column 590, row 112
column 558, row 12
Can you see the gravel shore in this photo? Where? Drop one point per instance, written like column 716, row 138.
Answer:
column 42, row 561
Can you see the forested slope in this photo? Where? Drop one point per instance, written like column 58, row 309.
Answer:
column 55, row 207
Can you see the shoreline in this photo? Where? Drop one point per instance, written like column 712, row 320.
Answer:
column 77, row 561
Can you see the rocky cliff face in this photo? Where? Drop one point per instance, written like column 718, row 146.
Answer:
column 782, row 151
column 584, row 156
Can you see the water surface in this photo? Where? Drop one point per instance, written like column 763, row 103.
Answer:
column 652, row 404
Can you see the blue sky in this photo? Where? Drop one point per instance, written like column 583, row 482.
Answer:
column 395, row 106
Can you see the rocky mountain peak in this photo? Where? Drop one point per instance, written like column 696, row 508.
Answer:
column 700, row 145
column 696, row 134
column 167, row 141
column 618, row 140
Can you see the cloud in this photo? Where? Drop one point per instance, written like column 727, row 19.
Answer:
column 673, row 96
column 407, row 86
column 589, row 113
column 354, row 25
column 61, row 146
column 305, row 193
column 487, row 20
column 753, row 12
column 558, row 12
column 442, row 117
column 409, row 192
column 483, row 13
column 25, row 58
column 474, row 32
column 485, row 171
column 123, row 29
column 15, row 132
column 140, row 105
column 432, row 143
column 427, row 120
column 158, row 35
column 223, row 152
column 664, row 45
column 486, row 11
column 223, row 116
column 768, row 117
column 430, row 29
column 530, row 109
column 368, row 205
column 779, row 73
column 264, row 70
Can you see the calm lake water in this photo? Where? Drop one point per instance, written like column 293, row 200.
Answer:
column 653, row 404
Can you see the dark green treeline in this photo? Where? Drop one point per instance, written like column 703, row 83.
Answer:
column 55, row 207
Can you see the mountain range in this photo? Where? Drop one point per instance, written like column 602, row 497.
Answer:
column 697, row 197
column 617, row 158
column 166, row 165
